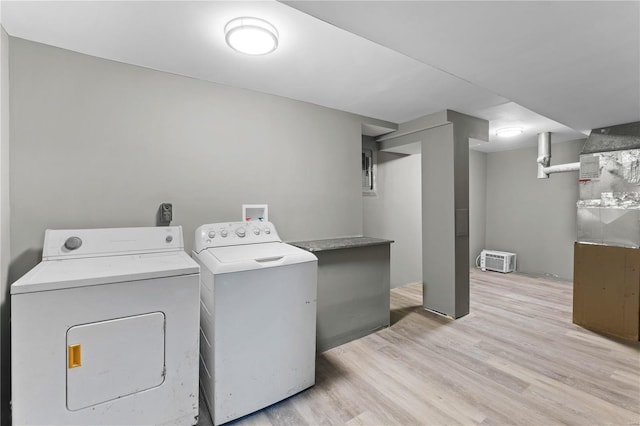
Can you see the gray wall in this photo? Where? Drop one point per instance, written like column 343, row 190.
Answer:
column 97, row 143
column 534, row 218
column 477, row 203
column 5, row 354
column 395, row 213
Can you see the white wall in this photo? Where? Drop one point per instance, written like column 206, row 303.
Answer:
column 97, row 143
column 5, row 354
column 395, row 213
column 534, row 218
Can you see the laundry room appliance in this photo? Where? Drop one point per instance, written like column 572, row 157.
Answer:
column 104, row 331
column 257, row 319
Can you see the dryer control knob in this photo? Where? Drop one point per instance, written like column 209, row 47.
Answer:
column 72, row 243
column 212, row 234
column 241, row 232
column 256, row 231
column 267, row 230
column 223, row 233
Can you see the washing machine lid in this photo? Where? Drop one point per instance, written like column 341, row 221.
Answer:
column 81, row 272
column 253, row 251
column 253, row 256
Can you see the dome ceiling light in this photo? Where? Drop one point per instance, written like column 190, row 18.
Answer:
column 252, row 36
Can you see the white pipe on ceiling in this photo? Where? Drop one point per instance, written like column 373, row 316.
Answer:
column 544, row 153
column 544, row 159
column 568, row 167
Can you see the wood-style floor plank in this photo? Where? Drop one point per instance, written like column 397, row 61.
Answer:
column 516, row 359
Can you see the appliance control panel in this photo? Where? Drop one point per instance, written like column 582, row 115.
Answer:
column 234, row 234
column 79, row 243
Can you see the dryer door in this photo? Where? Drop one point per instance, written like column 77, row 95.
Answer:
column 115, row 358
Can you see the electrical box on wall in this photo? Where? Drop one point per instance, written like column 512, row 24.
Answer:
column 255, row 212
column 369, row 165
column 164, row 215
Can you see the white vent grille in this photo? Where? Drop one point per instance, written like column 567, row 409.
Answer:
column 499, row 261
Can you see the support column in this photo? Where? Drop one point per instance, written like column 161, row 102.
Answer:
column 444, row 141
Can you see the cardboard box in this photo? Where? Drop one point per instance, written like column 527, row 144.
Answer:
column 606, row 289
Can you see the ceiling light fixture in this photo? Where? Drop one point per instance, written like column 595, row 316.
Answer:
column 508, row 132
column 252, row 36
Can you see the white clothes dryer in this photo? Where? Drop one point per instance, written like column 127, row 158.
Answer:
column 104, row 331
column 257, row 319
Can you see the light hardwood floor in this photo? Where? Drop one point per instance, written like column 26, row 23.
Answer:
column 515, row 359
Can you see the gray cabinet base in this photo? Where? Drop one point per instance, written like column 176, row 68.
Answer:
column 353, row 294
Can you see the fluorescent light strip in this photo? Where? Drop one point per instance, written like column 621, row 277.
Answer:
column 508, row 132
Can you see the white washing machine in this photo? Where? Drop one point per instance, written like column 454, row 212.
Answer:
column 104, row 331
column 257, row 318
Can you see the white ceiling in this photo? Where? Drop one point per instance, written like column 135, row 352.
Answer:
column 564, row 67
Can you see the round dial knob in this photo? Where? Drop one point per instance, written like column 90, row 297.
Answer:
column 256, row 231
column 241, row 232
column 223, row 233
column 211, row 234
column 267, row 230
column 72, row 243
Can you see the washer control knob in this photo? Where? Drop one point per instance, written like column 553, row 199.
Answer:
column 211, row 234
column 267, row 230
column 223, row 233
column 256, row 231
column 72, row 243
column 241, row 232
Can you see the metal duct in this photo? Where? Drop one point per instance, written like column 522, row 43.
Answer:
column 613, row 138
column 609, row 205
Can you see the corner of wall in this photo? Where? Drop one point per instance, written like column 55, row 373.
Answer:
column 521, row 207
column 477, row 203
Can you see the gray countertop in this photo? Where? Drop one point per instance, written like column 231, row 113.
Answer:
column 339, row 243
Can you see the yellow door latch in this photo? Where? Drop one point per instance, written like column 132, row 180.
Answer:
column 75, row 356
